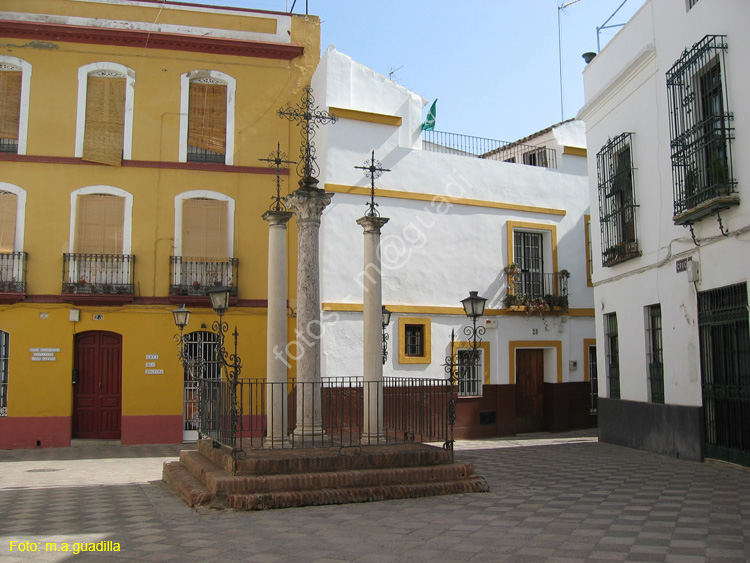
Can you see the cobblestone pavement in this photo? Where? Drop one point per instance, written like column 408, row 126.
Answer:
column 552, row 499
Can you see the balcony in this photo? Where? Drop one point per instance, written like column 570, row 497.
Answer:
column 98, row 278
column 12, row 276
column 191, row 277
column 489, row 149
column 533, row 292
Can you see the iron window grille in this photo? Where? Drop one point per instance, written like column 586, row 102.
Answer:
column 4, row 354
column 470, row 371
column 414, row 340
column 614, row 167
column 724, row 339
column 655, row 353
column 613, row 355
column 701, row 132
column 692, row 3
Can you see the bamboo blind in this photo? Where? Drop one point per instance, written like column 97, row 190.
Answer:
column 204, row 229
column 8, row 204
column 99, row 224
column 105, row 120
column 207, row 116
column 10, row 103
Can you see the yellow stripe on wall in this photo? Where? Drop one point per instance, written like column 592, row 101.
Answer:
column 367, row 116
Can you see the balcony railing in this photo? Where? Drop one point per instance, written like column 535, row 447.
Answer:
column 193, row 276
column 490, row 149
column 537, row 291
column 108, row 274
column 13, row 272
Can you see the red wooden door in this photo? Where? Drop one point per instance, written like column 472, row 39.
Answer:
column 529, row 390
column 97, row 396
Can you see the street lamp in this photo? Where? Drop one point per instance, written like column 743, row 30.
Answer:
column 474, row 308
column 386, row 321
column 181, row 319
column 219, row 299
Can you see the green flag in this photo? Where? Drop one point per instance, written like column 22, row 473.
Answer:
column 429, row 123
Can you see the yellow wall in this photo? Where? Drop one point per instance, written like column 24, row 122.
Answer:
column 262, row 87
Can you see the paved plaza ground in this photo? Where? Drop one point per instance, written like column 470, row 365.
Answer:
column 554, row 498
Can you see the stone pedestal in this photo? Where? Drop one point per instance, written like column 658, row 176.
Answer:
column 276, row 364
column 372, row 431
column 308, row 204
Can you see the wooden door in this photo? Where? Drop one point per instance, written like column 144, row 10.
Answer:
column 529, row 390
column 97, row 395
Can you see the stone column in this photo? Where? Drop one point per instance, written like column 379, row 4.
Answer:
column 276, row 362
column 372, row 431
column 308, row 204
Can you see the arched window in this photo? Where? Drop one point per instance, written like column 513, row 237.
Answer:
column 15, row 78
column 104, row 126
column 207, row 117
column 12, row 257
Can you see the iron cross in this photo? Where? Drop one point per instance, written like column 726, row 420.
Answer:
column 373, row 169
column 309, row 118
column 277, row 160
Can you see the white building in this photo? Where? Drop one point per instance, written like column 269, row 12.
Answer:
column 456, row 222
column 668, row 129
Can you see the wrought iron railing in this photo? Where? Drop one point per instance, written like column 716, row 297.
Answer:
column 538, row 290
column 8, row 145
column 110, row 274
column 13, row 272
column 193, row 276
column 411, row 410
column 490, row 149
column 198, row 154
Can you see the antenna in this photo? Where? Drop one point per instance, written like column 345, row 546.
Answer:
column 605, row 26
column 394, row 71
column 560, row 8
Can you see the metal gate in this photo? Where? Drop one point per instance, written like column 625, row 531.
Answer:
column 201, row 353
column 725, row 372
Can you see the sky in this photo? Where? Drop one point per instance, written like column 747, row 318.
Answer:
column 493, row 65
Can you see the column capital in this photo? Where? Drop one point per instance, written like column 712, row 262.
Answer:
column 275, row 218
column 372, row 224
column 308, row 205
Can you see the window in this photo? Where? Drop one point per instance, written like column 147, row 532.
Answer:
column 589, row 251
column 654, row 350
column 99, row 259
column 593, row 381
column 691, row 3
column 4, row 354
column 613, row 355
column 15, row 77
column 12, row 257
column 701, row 132
column 414, row 345
column 203, row 243
column 207, row 117
column 614, row 166
column 104, row 130
column 536, row 157
column 470, row 373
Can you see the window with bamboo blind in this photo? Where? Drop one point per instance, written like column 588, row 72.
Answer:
column 8, row 207
column 10, row 107
column 205, row 234
column 207, row 121
column 105, row 118
column 99, row 224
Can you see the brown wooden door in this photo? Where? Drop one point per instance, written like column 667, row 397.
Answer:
column 97, row 396
column 529, row 391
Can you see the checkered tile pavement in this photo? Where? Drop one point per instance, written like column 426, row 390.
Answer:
column 553, row 499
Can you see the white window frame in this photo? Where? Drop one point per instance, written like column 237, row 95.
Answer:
column 20, row 212
column 127, row 227
column 83, row 74
column 23, row 121
column 231, row 84
column 204, row 194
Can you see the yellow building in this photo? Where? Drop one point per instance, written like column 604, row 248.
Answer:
column 130, row 134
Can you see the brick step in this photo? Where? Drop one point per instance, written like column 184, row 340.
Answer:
column 263, row 501
column 219, row 481
column 185, row 484
column 316, row 460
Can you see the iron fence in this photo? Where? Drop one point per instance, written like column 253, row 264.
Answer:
column 537, row 288
column 98, row 273
column 193, row 276
column 490, row 149
column 337, row 412
column 13, row 272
